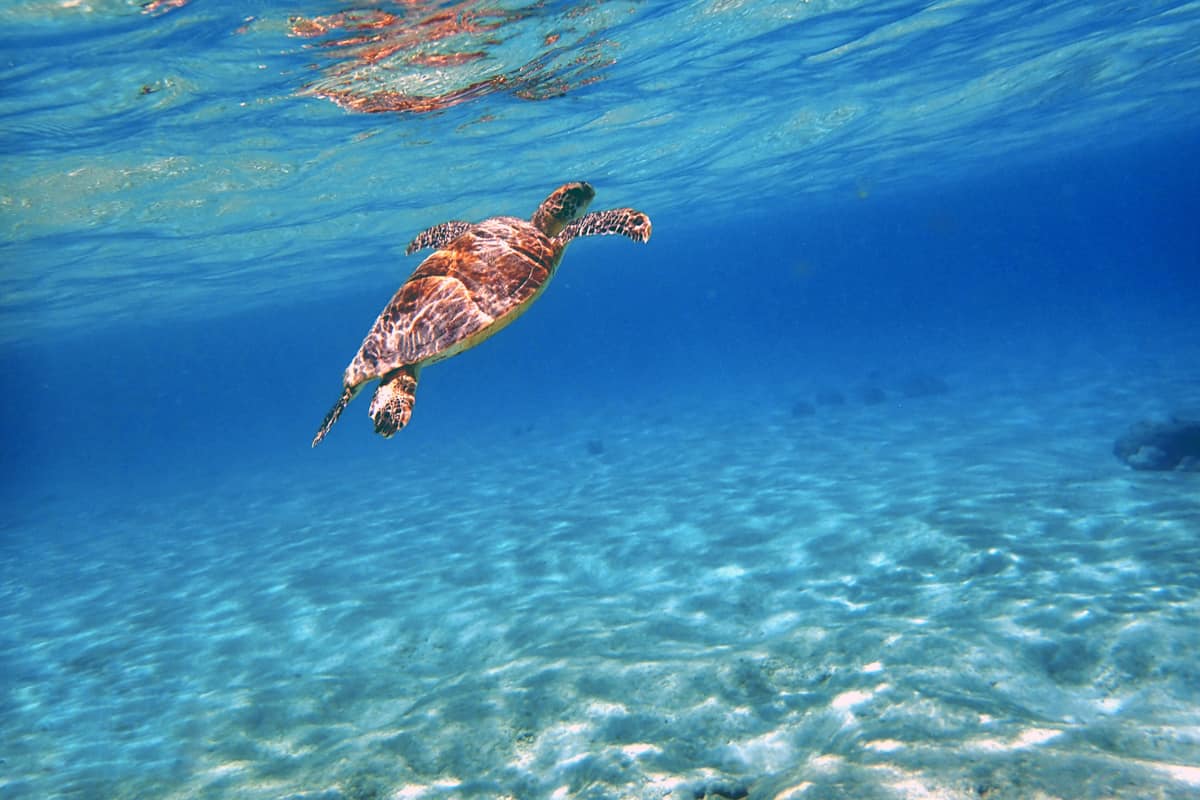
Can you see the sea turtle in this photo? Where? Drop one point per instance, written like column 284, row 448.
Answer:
column 480, row 279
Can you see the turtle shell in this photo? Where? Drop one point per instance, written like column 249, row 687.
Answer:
column 458, row 296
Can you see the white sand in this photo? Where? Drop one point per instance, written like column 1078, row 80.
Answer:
column 961, row 596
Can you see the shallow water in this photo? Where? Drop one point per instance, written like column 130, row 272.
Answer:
column 167, row 163
column 811, row 496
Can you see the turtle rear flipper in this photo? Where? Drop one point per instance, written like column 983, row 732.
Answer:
column 335, row 412
column 438, row 236
column 392, row 405
column 625, row 221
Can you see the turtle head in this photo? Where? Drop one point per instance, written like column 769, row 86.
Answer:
column 565, row 204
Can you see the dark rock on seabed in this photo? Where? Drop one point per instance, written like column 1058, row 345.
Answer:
column 802, row 408
column 830, row 397
column 1172, row 445
column 922, row 384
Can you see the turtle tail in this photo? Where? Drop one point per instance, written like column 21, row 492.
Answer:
column 335, row 412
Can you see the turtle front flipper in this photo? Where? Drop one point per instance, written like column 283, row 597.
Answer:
column 347, row 395
column 625, row 221
column 438, row 236
column 392, row 404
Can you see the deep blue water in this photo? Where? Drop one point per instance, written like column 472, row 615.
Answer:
column 1096, row 252
column 629, row 547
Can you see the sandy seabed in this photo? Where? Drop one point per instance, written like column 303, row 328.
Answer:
column 961, row 595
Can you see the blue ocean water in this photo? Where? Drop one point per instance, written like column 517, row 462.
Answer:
column 813, row 495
